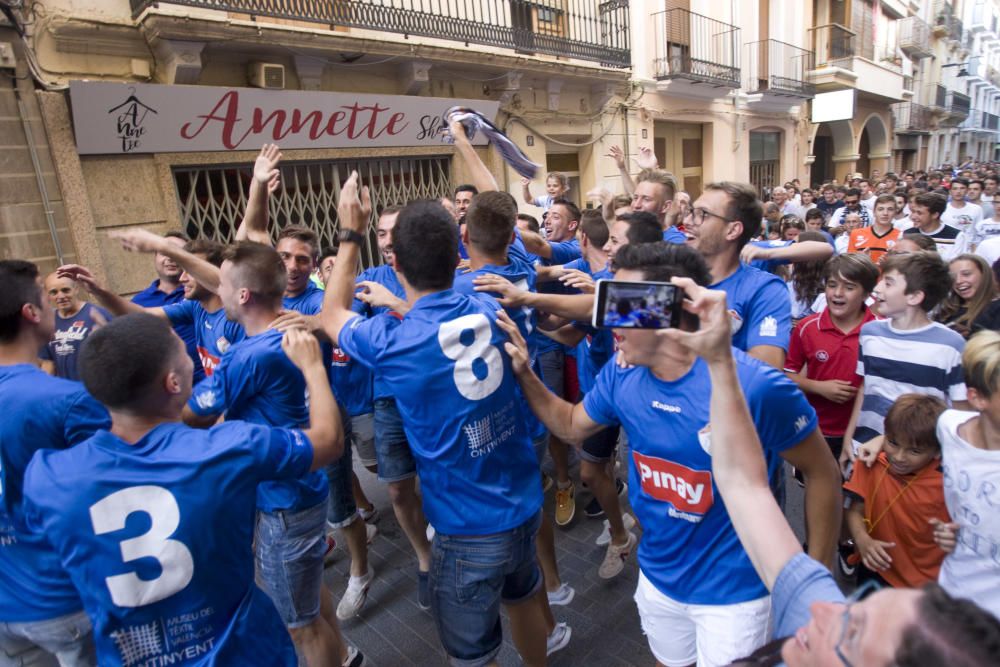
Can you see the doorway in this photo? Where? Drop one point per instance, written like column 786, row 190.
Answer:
column 679, row 147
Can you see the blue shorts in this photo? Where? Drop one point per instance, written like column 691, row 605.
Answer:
column 69, row 638
column 341, row 509
column 470, row 577
column 289, row 550
column 552, row 368
column 395, row 460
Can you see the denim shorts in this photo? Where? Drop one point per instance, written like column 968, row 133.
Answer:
column 552, row 366
column 395, row 460
column 363, row 437
column 289, row 555
column 67, row 639
column 470, row 577
column 341, row 509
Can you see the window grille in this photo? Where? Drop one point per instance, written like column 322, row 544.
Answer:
column 212, row 198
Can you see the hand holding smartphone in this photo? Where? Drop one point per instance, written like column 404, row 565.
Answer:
column 622, row 304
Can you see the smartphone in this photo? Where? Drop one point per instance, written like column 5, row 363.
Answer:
column 636, row 305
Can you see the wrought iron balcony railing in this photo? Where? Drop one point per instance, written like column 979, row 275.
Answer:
column 583, row 29
column 939, row 97
column 911, row 118
column 695, row 47
column 914, row 37
column 832, row 42
column 777, row 67
column 959, row 104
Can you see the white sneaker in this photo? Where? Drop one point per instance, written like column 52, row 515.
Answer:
column 561, row 596
column 604, row 539
column 370, row 516
column 370, row 531
column 355, row 595
column 558, row 639
column 430, row 533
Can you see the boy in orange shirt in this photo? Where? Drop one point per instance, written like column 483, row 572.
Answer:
column 878, row 239
column 893, row 501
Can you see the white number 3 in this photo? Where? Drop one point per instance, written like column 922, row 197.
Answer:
column 467, row 352
column 109, row 515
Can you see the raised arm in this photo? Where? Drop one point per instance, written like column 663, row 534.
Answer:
column 141, row 240
column 326, row 430
column 353, row 213
column 618, row 155
column 115, row 304
column 266, row 178
column 803, row 251
column 536, row 244
column 737, row 457
column 526, row 191
column 568, row 422
column 569, row 306
column 481, row 177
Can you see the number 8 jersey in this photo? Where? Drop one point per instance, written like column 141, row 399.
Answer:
column 156, row 537
column 457, row 395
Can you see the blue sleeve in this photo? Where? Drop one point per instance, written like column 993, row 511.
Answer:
column 564, row 252
column 181, row 312
column 771, row 316
column 230, row 382
column 781, row 413
column 800, row 583
column 84, row 417
column 44, row 352
column 599, row 403
column 280, row 453
column 362, row 339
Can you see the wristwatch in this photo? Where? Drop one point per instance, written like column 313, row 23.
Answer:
column 350, row 236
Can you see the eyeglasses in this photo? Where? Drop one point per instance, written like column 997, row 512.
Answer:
column 851, row 625
column 698, row 215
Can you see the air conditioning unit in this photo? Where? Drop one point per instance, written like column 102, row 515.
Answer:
column 266, row 75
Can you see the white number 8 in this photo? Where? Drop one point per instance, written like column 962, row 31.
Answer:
column 466, row 354
column 109, row 515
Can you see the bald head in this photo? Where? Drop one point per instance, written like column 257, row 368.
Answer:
column 63, row 294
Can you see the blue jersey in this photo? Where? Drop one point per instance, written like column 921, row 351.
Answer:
column 258, row 383
column 526, row 319
column 215, row 333
column 43, row 412
column 477, row 469
column 386, row 276
column 308, row 302
column 673, row 235
column 759, row 307
column 563, row 252
column 153, row 297
column 516, row 252
column 352, row 384
column 597, row 345
column 69, row 336
column 689, row 549
column 157, row 538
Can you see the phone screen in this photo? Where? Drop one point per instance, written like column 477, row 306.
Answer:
column 636, row 305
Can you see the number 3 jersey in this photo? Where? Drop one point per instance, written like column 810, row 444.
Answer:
column 156, row 537
column 456, row 393
column 689, row 548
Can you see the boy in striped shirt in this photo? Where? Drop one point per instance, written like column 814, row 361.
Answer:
column 905, row 353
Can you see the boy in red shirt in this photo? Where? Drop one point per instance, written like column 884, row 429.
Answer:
column 823, row 350
column 894, row 501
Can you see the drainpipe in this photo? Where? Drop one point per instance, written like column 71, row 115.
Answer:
column 37, row 167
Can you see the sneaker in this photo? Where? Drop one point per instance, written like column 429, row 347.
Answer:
column 424, row 590
column 547, row 483
column 615, row 557
column 355, row 595
column 355, row 658
column 370, row 516
column 558, row 639
column 621, row 487
column 561, row 596
column 370, row 532
column 845, row 559
column 799, row 479
column 593, row 510
column 330, row 554
column 604, row 538
column 565, row 504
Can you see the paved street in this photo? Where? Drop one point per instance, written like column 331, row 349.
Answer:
column 393, row 631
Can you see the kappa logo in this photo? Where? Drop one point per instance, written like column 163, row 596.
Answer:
column 801, row 423
column 687, row 490
column 769, row 326
column 666, row 408
column 822, row 355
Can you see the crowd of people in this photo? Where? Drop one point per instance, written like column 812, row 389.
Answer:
column 175, row 469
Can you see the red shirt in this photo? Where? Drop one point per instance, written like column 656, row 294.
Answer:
column 827, row 353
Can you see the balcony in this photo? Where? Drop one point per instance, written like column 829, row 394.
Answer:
column 956, row 30
column 911, row 118
column 939, row 98
column 696, row 49
column 981, row 122
column 914, row 37
column 778, row 69
column 957, row 107
column 843, row 63
column 565, row 28
column 943, row 14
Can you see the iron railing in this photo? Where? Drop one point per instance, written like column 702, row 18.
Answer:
column 777, row 67
column 939, row 97
column 990, row 121
column 907, row 82
column 695, row 47
column 943, row 14
column 914, row 37
column 583, row 29
column 910, row 117
column 832, row 42
column 958, row 103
